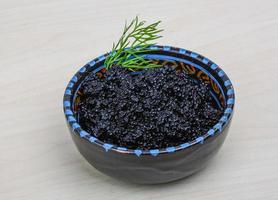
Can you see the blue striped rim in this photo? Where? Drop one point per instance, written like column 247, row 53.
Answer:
column 74, row 79
column 218, row 126
column 231, row 101
column 92, row 139
column 228, row 110
column 122, row 148
column 227, row 83
column 83, row 133
column 154, row 47
column 171, row 149
column 70, row 85
column 154, row 152
column 230, row 91
column 138, row 152
column 68, row 112
column 205, row 61
column 82, row 70
column 75, row 126
column 184, row 145
column 214, row 66
column 166, row 48
column 200, row 139
column 68, row 92
column 107, row 146
column 194, row 55
column 221, row 73
column 211, row 132
column 182, row 51
column 66, row 103
column 71, row 119
column 92, row 63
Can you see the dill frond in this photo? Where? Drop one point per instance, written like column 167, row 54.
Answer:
column 135, row 40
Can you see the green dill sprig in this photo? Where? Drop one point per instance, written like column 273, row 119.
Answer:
column 134, row 41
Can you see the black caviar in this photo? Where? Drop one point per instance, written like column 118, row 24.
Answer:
column 156, row 108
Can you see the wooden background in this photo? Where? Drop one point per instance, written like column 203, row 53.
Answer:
column 43, row 42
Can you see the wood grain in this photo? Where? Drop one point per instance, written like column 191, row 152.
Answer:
column 43, row 42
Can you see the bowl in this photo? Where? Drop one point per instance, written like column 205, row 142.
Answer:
column 156, row 165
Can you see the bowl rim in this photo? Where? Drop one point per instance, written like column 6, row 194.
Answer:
column 215, row 130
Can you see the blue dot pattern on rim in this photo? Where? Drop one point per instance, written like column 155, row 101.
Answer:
column 154, row 152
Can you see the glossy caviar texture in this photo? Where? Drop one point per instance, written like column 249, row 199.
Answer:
column 156, row 108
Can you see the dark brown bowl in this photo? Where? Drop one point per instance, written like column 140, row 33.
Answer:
column 155, row 165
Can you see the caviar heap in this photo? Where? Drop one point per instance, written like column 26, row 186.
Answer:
column 156, row 108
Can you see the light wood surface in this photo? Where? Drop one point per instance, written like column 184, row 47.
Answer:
column 43, row 42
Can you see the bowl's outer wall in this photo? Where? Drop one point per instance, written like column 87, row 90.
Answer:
column 147, row 168
column 150, row 169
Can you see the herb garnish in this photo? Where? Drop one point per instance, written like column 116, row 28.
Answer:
column 134, row 41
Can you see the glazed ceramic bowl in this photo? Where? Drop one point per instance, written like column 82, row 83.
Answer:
column 155, row 165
